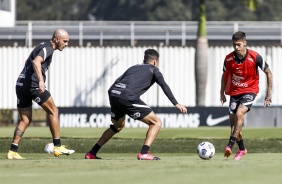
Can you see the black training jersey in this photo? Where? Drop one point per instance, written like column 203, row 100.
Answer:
column 136, row 80
column 28, row 77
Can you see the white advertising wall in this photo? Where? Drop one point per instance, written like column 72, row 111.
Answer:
column 81, row 76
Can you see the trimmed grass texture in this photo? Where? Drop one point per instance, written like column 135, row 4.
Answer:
column 176, row 148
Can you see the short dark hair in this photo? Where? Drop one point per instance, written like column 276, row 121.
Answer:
column 240, row 35
column 150, row 54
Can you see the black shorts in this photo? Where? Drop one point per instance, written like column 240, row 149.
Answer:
column 25, row 96
column 135, row 109
column 246, row 99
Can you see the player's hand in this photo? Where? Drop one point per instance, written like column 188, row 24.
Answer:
column 41, row 86
column 222, row 98
column 181, row 108
column 267, row 101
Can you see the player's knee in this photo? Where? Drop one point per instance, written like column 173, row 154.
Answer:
column 116, row 130
column 55, row 110
column 158, row 123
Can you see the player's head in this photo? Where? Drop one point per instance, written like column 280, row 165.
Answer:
column 239, row 42
column 60, row 39
column 151, row 56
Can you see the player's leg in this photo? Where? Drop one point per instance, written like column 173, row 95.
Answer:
column 241, row 112
column 53, row 116
column 25, row 115
column 233, row 106
column 232, row 140
column 118, row 123
column 116, row 127
column 245, row 106
column 47, row 103
column 155, row 125
column 24, row 105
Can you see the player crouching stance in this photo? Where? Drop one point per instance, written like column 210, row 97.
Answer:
column 124, row 96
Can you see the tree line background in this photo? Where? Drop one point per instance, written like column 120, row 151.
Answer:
column 149, row 10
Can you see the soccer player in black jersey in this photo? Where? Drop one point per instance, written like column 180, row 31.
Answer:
column 124, row 96
column 30, row 87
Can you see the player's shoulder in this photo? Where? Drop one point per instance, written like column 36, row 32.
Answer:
column 253, row 53
column 46, row 45
column 230, row 56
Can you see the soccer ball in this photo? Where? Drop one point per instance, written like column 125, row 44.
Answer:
column 49, row 148
column 205, row 150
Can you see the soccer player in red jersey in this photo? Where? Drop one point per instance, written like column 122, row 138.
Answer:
column 240, row 80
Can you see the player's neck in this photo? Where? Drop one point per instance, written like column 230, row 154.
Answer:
column 243, row 55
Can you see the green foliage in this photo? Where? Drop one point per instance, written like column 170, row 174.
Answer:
column 202, row 20
column 52, row 10
column 149, row 10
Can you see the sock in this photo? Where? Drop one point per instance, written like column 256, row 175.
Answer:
column 57, row 142
column 241, row 145
column 145, row 149
column 232, row 140
column 95, row 149
column 14, row 147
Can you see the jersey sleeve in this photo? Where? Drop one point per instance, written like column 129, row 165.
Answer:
column 224, row 66
column 261, row 63
column 166, row 89
column 45, row 52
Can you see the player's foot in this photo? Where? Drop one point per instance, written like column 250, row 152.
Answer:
column 240, row 153
column 147, row 156
column 90, row 156
column 14, row 155
column 62, row 150
column 227, row 151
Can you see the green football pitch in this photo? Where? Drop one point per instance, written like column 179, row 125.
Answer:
column 176, row 147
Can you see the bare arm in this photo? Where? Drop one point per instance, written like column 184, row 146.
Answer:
column 267, row 99
column 38, row 71
column 222, row 95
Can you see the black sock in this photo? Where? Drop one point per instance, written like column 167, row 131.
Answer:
column 14, row 147
column 232, row 140
column 145, row 149
column 241, row 145
column 95, row 149
column 57, row 142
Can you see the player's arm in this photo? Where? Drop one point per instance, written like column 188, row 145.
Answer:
column 265, row 68
column 166, row 89
column 267, row 99
column 38, row 71
column 222, row 86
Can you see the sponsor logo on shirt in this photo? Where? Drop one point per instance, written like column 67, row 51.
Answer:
column 120, row 85
column 251, row 59
column 22, row 76
column 116, row 92
column 237, row 81
column 19, row 84
column 229, row 59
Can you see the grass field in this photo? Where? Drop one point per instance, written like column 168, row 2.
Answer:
column 176, row 147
